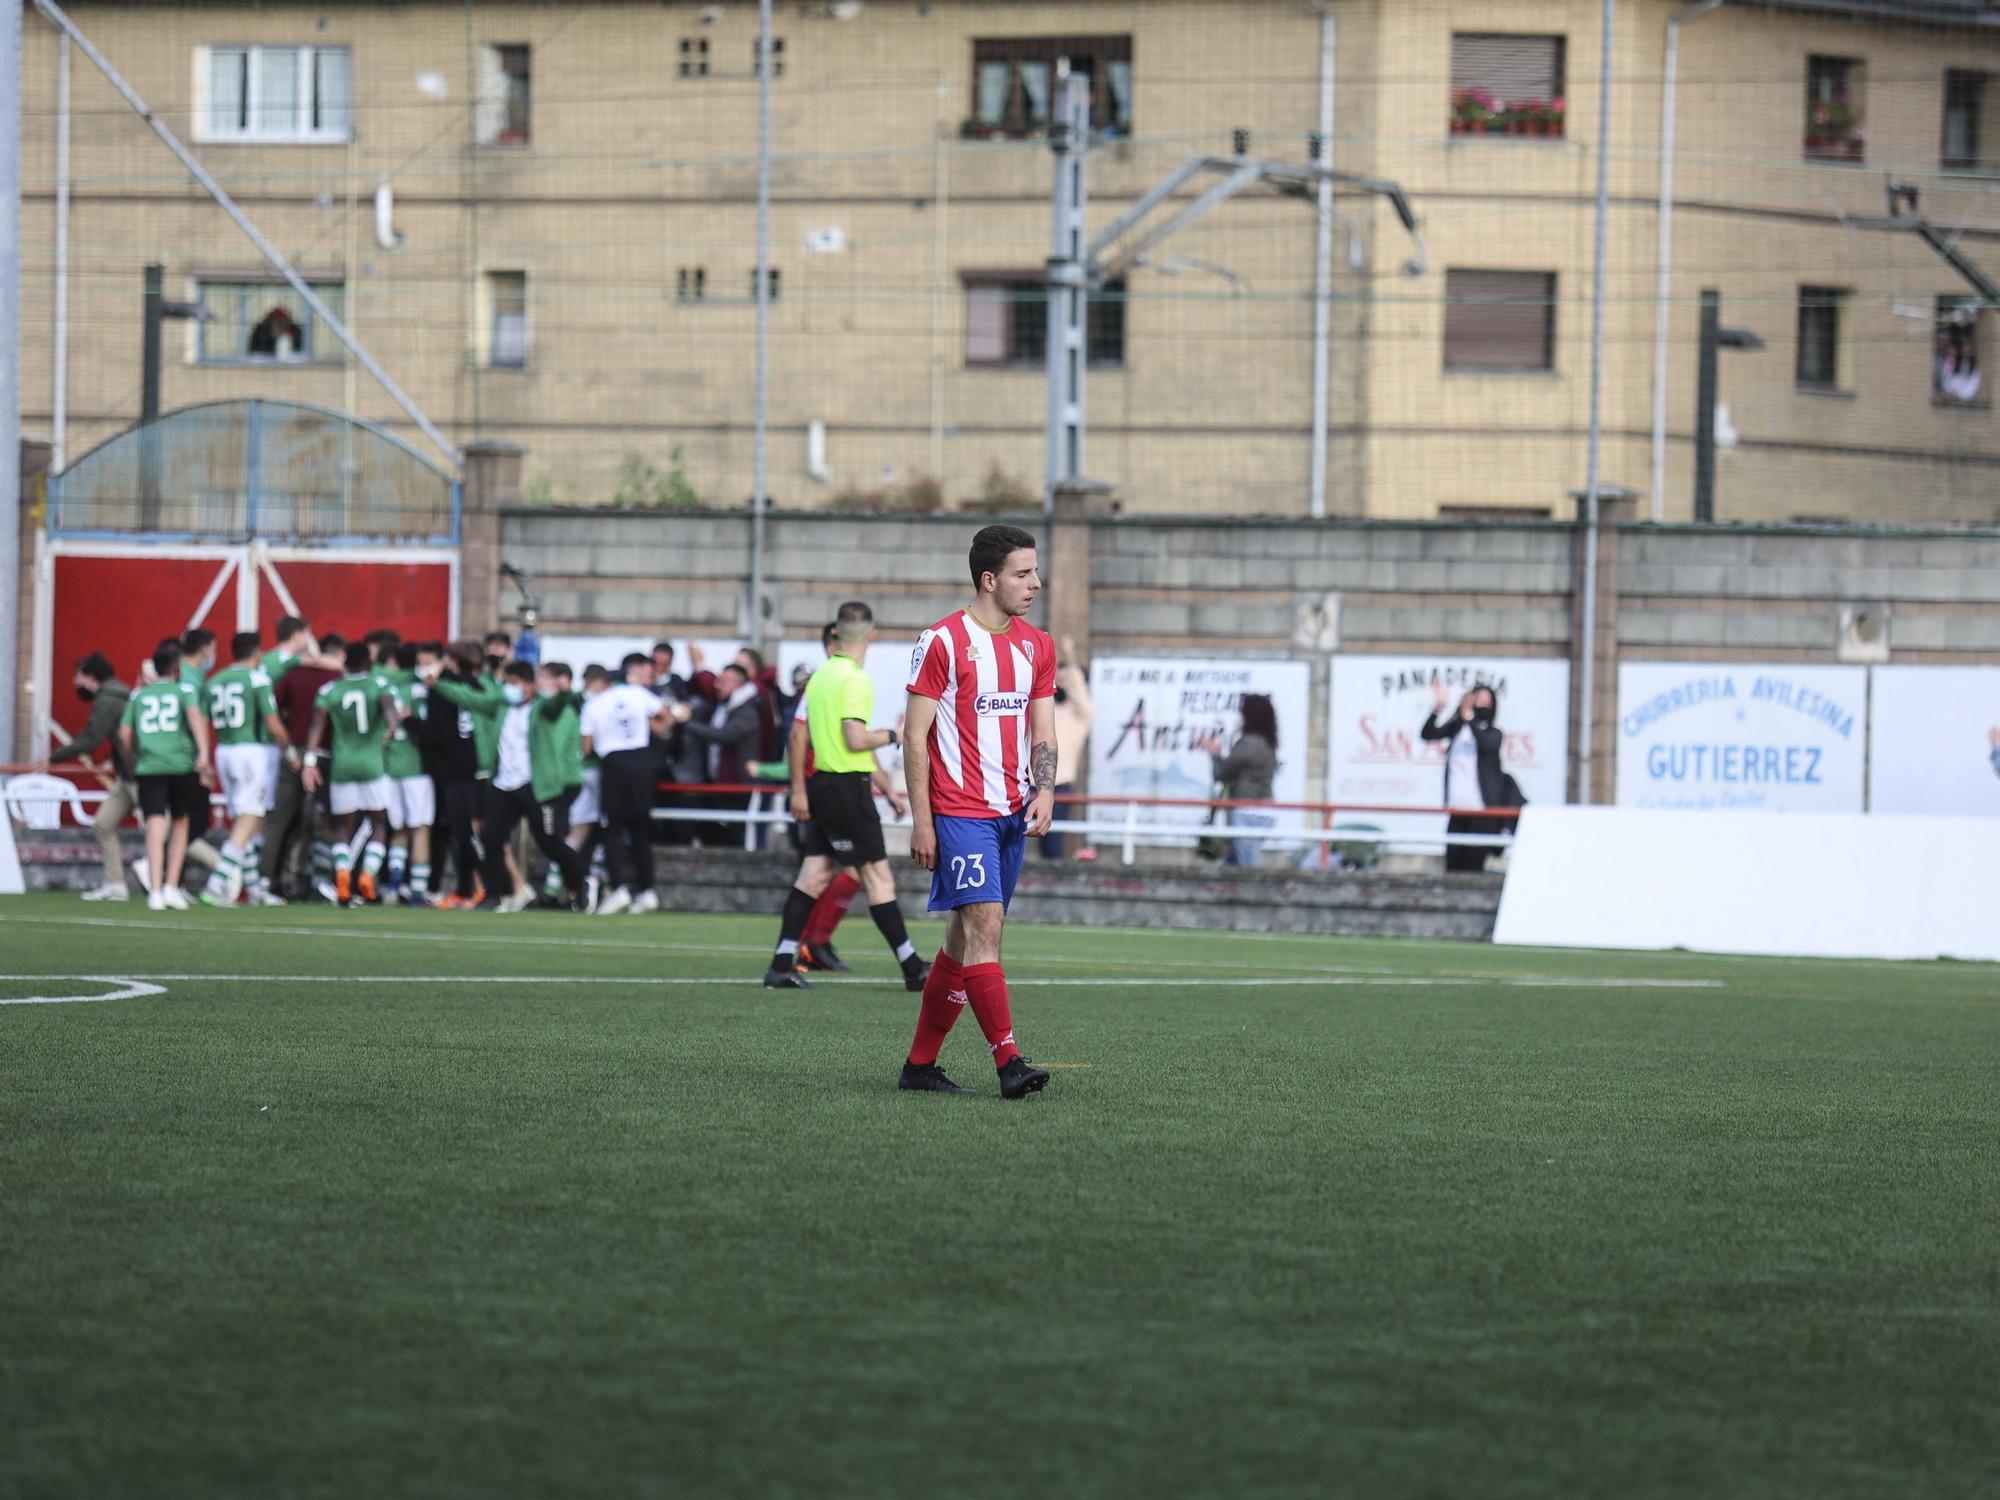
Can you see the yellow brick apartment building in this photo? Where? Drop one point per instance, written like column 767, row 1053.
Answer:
column 540, row 218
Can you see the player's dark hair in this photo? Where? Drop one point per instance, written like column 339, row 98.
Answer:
column 756, row 660
column 358, row 659
column 1259, row 717
column 499, row 638
column 172, row 645
column 993, row 546
column 854, row 620
column 405, row 656
column 634, row 659
column 98, row 666
column 385, row 639
column 595, row 673
column 333, row 643
column 243, row 645
column 557, row 669
column 197, row 639
column 167, row 661
column 468, row 656
column 429, row 648
column 519, row 671
column 829, row 635
column 289, row 626
column 666, row 646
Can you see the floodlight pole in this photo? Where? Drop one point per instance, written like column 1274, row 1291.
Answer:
column 10, row 365
column 1068, row 286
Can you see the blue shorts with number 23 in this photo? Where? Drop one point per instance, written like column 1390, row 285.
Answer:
column 979, row 859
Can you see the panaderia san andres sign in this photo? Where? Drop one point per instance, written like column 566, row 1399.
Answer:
column 1715, row 737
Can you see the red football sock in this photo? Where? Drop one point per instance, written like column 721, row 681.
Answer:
column 986, row 988
column 832, row 906
column 944, row 998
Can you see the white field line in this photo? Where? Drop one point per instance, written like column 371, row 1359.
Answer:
column 1406, row 981
column 484, row 938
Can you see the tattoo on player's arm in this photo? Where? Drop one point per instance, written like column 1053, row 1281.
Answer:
column 1045, row 767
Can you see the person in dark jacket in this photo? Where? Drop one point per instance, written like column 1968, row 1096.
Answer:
column 98, row 685
column 1246, row 773
column 729, row 737
column 1473, row 775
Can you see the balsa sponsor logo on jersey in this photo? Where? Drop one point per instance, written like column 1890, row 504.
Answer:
column 987, row 705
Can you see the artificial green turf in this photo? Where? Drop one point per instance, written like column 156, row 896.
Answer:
column 389, row 1236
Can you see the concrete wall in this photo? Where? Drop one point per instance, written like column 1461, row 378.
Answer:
column 1214, row 588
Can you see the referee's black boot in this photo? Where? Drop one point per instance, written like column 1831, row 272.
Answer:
column 1020, row 1078
column 928, row 1078
column 785, row 979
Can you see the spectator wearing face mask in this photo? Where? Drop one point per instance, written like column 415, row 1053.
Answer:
column 1473, row 774
column 98, row 685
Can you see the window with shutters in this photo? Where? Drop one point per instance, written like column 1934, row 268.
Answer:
column 691, row 284
column 1499, row 321
column 1834, row 99
column 694, row 57
column 1007, row 322
column 1955, row 375
column 1506, row 84
column 1013, row 83
column 263, row 321
column 284, row 94
column 506, row 320
column 1822, row 352
column 502, row 109
column 1964, row 114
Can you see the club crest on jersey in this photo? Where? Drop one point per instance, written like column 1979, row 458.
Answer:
column 987, row 705
column 972, row 651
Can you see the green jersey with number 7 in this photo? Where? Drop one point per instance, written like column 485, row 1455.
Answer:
column 355, row 720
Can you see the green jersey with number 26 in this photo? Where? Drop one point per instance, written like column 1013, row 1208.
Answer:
column 238, row 699
column 353, row 706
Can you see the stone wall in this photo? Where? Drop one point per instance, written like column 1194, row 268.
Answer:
column 1257, row 588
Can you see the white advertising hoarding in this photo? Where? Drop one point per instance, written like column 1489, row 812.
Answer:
column 1158, row 717
column 1377, row 757
column 1703, row 736
column 1935, row 741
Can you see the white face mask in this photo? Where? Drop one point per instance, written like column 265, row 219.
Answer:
column 514, row 693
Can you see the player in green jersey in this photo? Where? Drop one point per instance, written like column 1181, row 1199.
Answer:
column 244, row 714
column 295, row 644
column 412, row 798
column 358, row 713
column 165, row 737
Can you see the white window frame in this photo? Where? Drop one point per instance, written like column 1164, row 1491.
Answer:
column 303, row 133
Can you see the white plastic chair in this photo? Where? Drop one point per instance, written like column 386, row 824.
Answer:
column 37, row 801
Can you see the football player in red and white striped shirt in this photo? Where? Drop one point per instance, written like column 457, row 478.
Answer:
column 980, row 757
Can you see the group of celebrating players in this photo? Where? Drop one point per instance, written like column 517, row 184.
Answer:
column 410, row 750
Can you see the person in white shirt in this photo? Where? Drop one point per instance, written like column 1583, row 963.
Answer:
column 618, row 728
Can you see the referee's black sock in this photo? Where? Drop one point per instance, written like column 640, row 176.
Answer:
column 889, row 917
column 798, row 912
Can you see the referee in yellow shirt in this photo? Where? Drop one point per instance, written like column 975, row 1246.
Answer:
column 844, row 828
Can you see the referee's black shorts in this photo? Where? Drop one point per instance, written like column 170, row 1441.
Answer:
column 627, row 786
column 845, row 826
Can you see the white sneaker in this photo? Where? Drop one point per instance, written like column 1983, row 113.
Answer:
column 142, row 872
column 592, row 889
column 392, row 897
column 156, row 901
column 108, row 893
column 644, row 902
column 325, row 891
column 265, row 896
column 521, row 900
column 176, row 898
column 619, row 900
